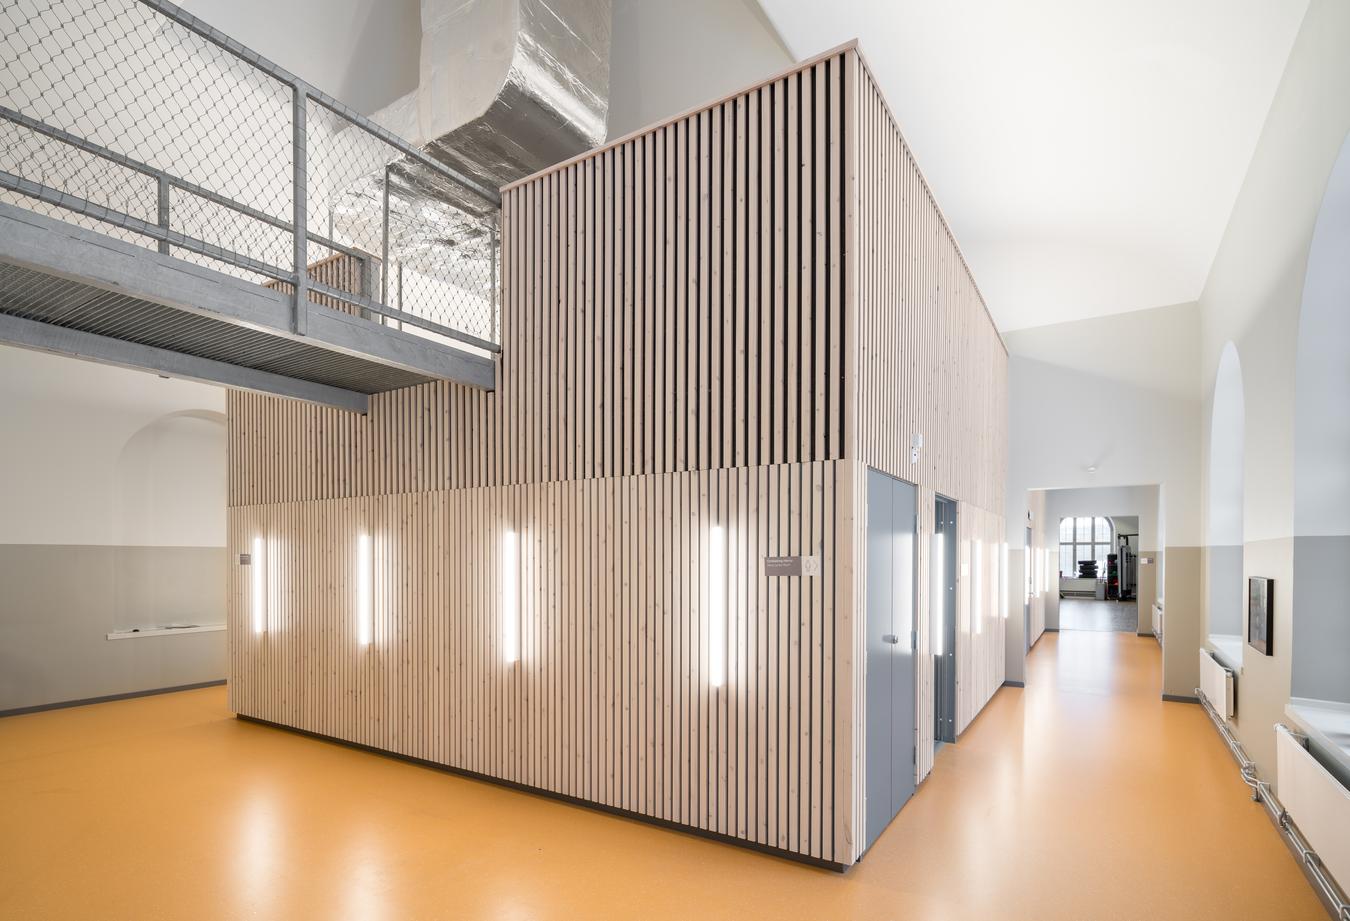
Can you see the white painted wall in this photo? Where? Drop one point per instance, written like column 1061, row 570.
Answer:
column 669, row 57
column 96, row 455
column 364, row 52
column 1322, row 370
column 1226, row 425
column 1137, row 502
column 1116, row 393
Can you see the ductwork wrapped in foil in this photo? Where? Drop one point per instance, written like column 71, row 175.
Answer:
column 508, row 87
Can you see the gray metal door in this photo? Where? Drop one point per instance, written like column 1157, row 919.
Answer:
column 891, row 528
column 903, row 677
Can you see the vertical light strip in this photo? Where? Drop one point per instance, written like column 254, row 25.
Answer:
column 937, row 593
column 365, row 601
column 1003, row 580
column 1026, row 574
column 510, row 608
column 717, row 606
column 258, row 586
column 977, row 588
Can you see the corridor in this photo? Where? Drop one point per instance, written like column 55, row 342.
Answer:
column 1086, row 614
column 1082, row 797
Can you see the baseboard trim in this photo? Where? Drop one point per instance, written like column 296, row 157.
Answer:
column 107, row 698
column 560, row 797
column 1051, row 630
column 1014, row 684
column 1180, row 699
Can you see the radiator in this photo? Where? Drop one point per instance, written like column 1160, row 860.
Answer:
column 1158, row 621
column 1216, row 683
column 1317, row 803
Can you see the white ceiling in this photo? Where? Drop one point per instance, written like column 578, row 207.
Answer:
column 1087, row 153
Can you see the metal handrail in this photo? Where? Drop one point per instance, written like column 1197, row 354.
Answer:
column 251, row 57
column 177, row 182
column 1331, row 892
column 107, row 215
column 298, row 275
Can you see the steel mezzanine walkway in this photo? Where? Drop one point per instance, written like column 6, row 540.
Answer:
column 108, row 254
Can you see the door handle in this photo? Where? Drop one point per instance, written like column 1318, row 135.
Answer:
column 890, row 638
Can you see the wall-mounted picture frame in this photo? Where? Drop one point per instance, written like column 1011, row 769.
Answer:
column 1260, row 608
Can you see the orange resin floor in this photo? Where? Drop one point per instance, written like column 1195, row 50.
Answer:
column 1083, row 797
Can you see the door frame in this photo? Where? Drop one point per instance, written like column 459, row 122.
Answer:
column 946, row 521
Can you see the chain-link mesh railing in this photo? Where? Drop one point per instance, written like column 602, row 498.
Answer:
column 132, row 118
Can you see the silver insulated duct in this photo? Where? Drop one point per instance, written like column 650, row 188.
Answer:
column 508, row 87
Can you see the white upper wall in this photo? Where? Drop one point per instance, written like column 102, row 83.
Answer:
column 669, row 57
column 1322, row 372
column 1139, row 503
column 91, row 454
column 1115, row 393
column 1226, row 445
column 364, row 52
column 1255, row 288
column 1087, row 154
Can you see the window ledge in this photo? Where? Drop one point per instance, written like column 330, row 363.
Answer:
column 1327, row 725
column 1228, row 649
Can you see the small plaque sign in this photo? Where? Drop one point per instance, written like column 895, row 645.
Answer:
column 792, row 566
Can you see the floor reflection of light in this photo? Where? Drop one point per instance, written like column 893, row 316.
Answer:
column 257, row 848
column 365, row 896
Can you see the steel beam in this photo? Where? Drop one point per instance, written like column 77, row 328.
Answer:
column 58, row 340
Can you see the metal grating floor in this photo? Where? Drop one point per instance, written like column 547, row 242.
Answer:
column 45, row 298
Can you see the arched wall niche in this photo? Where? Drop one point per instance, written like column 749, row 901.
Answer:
column 1321, row 666
column 170, row 482
column 1223, row 584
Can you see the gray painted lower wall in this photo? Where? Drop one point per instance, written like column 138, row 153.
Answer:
column 1263, row 682
column 59, row 603
column 1224, row 590
column 1182, row 621
column 1322, row 639
column 1146, row 590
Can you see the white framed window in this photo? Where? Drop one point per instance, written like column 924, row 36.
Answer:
column 1083, row 539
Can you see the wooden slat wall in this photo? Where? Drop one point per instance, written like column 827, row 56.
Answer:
column 611, row 700
column 336, row 271
column 930, row 361
column 672, row 302
column 980, row 663
column 687, row 333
